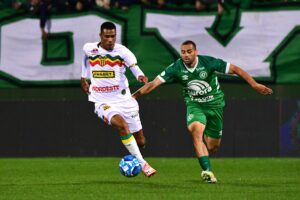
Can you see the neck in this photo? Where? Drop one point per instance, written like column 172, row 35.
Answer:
column 193, row 64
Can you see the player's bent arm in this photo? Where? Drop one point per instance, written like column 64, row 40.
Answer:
column 233, row 69
column 147, row 88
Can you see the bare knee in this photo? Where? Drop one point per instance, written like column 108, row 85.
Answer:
column 120, row 124
column 122, row 127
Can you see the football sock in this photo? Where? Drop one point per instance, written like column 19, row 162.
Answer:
column 204, row 163
column 131, row 145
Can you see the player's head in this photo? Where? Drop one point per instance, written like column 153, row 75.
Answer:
column 108, row 35
column 188, row 52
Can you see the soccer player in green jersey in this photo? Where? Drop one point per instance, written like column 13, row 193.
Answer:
column 203, row 98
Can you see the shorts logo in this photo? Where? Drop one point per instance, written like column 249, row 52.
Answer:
column 105, row 107
column 103, row 74
column 134, row 115
column 220, row 133
column 190, row 117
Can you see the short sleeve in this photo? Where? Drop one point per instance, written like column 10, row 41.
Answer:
column 129, row 57
column 168, row 75
column 218, row 65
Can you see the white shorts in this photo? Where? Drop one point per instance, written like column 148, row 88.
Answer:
column 129, row 110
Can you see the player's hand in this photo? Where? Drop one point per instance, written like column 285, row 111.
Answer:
column 85, row 86
column 143, row 79
column 262, row 89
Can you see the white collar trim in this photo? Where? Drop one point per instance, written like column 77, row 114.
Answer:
column 191, row 69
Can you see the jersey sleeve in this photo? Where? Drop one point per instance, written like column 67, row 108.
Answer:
column 129, row 57
column 168, row 75
column 85, row 67
column 218, row 65
column 84, row 64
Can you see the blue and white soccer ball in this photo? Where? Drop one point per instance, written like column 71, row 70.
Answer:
column 130, row 166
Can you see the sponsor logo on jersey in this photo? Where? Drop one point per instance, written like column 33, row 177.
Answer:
column 203, row 74
column 103, row 74
column 197, row 87
column 106, row 89
column 184, row 71
column 203, row 99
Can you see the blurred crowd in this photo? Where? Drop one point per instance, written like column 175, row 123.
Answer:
column 43, row 8
column 81, row 5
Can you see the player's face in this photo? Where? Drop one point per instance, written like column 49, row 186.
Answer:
column 188, row 55
column 108, row 38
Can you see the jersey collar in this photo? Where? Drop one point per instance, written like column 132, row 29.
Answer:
column 191, row 69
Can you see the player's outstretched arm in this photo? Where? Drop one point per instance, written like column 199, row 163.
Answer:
column 233, row 69
column 147, row 88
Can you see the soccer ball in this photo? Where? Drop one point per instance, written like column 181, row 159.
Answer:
column 130, row 166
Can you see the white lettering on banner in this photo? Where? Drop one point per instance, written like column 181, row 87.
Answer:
column 248, row 49
column 21, row 47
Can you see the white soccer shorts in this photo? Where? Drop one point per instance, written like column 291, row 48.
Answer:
column 128, row 109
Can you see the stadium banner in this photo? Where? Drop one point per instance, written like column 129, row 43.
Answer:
column 263, row 42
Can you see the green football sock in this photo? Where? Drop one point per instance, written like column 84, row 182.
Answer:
column 204, row 163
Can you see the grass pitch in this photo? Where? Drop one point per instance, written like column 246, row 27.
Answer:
column 177, row 178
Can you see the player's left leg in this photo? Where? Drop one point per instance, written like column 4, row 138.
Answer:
column 132, row 117
column 140, row 138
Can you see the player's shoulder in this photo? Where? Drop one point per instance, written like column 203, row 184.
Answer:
column 206, row 57
column 177, row 64
column 90, row 46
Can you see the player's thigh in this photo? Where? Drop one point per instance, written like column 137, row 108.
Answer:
column 195, row 114
column 214, row 126
column 130, row 111
column 106, row 112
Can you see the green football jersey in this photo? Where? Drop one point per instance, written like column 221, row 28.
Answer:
column 200, row 84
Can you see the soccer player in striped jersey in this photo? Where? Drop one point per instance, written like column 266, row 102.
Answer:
column 105, row 63
column 203, row 98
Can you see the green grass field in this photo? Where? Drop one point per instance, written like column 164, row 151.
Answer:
column 177, row 178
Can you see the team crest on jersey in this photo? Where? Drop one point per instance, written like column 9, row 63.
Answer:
column 102, row 60
column 203, row 74
column 103, row 74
